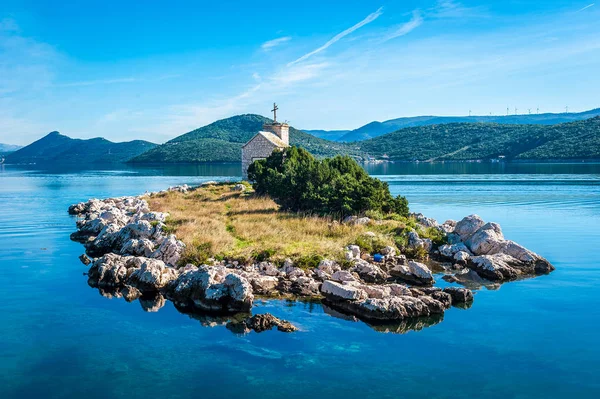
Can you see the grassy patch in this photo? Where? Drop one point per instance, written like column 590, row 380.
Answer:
column 216, row 222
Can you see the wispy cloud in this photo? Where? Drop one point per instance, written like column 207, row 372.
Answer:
column 586, row 7
column 370, row 18
column 406, row 28
column 97, row 82
column 266, row 46
column 454, row 9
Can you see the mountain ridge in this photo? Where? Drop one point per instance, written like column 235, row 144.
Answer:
column 377, row 128
column 57, row 148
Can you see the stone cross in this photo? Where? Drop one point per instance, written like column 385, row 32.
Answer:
column 274, row 111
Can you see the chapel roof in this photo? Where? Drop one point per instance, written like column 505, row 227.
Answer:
column 273, row 138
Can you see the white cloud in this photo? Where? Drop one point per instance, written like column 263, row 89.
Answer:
column 586, row 7
column 454, row 9
column 406, row 28
column 266, row 46
column 370, row 18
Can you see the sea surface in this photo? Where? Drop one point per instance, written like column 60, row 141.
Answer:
column 535, row 338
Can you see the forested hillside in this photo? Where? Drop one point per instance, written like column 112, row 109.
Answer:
column 466, row 141
column 222, row 141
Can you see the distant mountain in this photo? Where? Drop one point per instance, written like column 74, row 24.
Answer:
column 468, row 141
column 7, row 148
column 332, row 135
column 55, row 148
column 222, row 141
column 375, row 129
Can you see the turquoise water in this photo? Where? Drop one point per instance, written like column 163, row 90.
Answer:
column 531, row 338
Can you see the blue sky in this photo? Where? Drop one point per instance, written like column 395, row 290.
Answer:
column 130, row 70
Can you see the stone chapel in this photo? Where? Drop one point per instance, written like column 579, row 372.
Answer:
column 274, row 135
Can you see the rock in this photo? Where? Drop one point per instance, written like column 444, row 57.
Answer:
column 142, row 247
column 268, row 269
column 239, row 188
column 264, row 285
column 448, row 226
column 369, row 272
column 338, row 291
column 343, row 275
column 414, row 241
column 108, row 271
column 190, row 286
column 260, row 323
column 328, row 266
column 234, row 294
column 305, row 286
column 488, row 239
column 84, row 259
column 209, row 183
column 170, row 250
column 414, row 272
column 449, row 251
column 390, row 308
column 462, row 257
column 425, row 221
column 468, row 226
column 497, row 267
column 355, row 220
column 388, row 251
column 77, row 209
column 459, row 295
column 355, row 250
column 152, row 276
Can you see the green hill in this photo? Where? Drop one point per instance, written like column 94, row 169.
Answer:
column 56, row 148
column 466, row 141
column 222, row 141
column 376, row 129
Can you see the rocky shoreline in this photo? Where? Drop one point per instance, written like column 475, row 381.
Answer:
column 132, row 256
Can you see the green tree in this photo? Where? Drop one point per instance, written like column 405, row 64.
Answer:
column 297, row 181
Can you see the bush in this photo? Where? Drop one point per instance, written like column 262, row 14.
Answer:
column 334, row 186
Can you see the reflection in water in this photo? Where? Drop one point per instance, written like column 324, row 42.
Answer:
column 390, row 326
column 234, row 322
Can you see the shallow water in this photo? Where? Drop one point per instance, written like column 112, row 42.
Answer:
column 530, row 338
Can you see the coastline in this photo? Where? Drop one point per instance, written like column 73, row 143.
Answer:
column 136, row 258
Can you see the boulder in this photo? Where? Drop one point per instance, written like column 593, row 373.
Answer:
column 234, row 294
column 343, row 275
column 260, row 323
column 488, row 239
column 170, row 250
column 369, row 272
column 142, row 247
column 468, row 226
column 264, row 285
column 459, row 295
column 337, row 291
column 152, row 276
column 449, row 251
column 415, row 273
column 108, row 271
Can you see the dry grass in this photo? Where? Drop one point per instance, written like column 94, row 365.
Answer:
column 215, row 221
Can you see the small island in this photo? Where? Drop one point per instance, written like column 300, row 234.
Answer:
column 306, row 229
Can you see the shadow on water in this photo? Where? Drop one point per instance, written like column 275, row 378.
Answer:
column 155, row 302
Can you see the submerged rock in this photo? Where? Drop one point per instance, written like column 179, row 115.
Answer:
column 260, row 323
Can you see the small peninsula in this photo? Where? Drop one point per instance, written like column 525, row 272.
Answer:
column 214, row 249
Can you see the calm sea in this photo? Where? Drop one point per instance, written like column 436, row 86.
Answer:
column 528, row 339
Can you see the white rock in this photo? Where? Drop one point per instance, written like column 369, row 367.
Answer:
column 340, row 291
